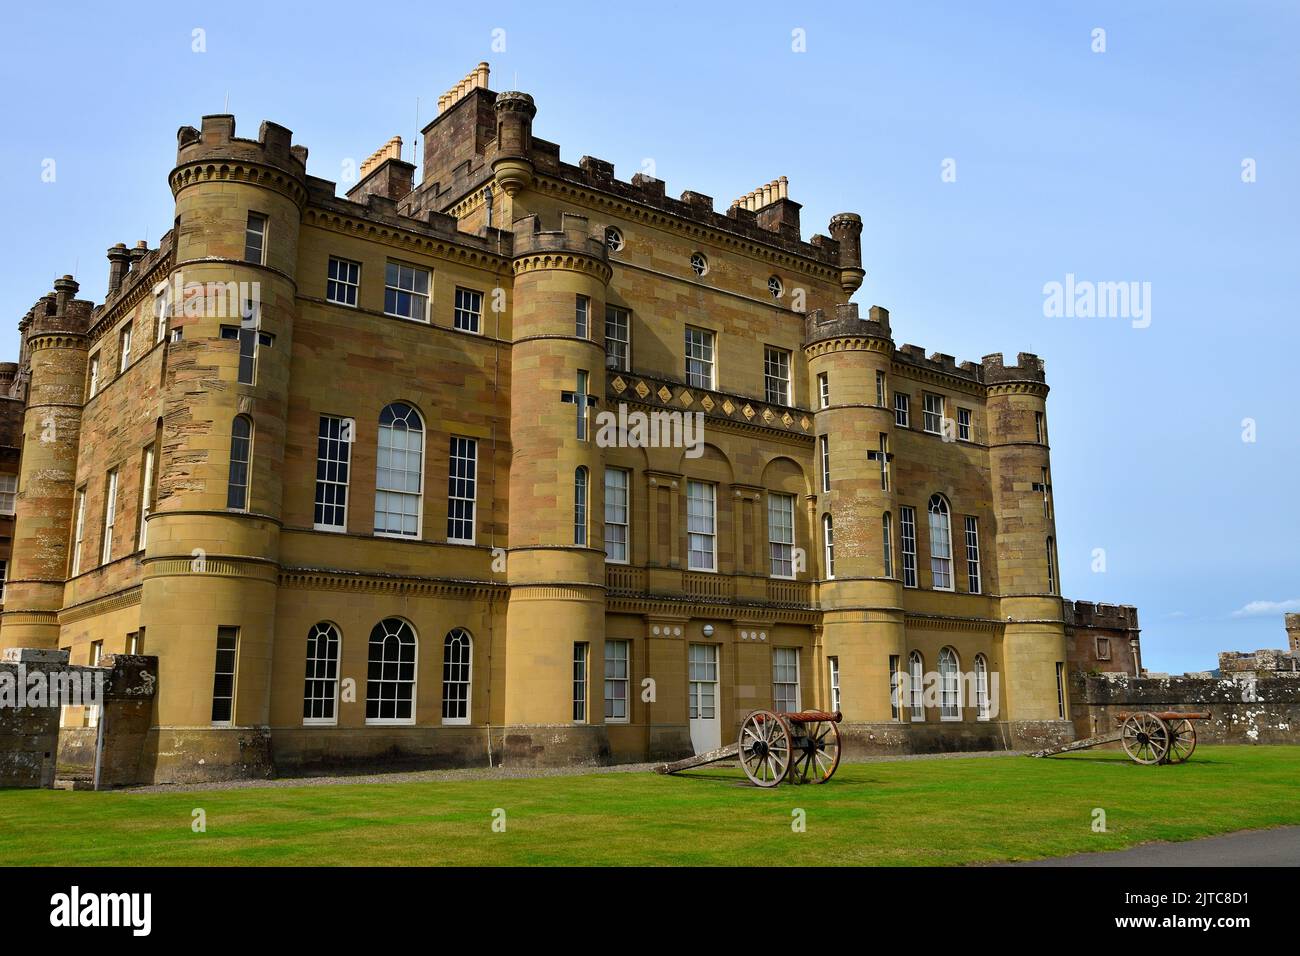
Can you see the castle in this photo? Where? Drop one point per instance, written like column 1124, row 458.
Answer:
column 335, row 463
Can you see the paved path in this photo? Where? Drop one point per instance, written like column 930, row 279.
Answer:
column 1277, row 847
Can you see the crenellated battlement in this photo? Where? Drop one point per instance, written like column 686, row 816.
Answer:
column 216, row 139
column 845, row 322
column 1087, row 614
column 59, row 312
column 1028, row 368
column 574, row 237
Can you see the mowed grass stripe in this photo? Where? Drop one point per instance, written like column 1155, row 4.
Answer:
column 936, row 812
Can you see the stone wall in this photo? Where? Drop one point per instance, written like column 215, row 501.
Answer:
column 1261, row 711
column 32, row 745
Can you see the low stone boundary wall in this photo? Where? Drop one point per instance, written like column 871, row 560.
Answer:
column 1259, row 711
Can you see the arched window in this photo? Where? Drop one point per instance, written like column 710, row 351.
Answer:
column 390, row 679
column 399, row 471
column 457, row 663
column 940, row 543
column 982, row 709
column 321, row 689
column 949, row 685
column 241, row 455
column 580, row 506
column 916, row 678
column 887, row 543
column 828, row 539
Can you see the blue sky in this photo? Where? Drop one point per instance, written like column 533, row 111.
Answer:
column 1120, row 166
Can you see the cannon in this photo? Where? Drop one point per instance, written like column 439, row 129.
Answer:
column 802, row 747
column 1148, row 737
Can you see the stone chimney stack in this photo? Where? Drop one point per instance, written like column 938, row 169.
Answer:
column 119, row 262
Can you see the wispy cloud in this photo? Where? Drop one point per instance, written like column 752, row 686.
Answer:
column 1264, row 608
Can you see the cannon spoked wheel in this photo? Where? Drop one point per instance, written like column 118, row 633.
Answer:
column 1145, row 738
column 765, row 748
column 816, row 751
column 1182, row 740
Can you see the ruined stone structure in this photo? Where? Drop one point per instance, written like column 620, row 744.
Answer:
column 1103, row 638
column 339, row 463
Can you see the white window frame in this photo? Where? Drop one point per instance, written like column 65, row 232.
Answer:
column 467, row 313
column 963, row 424
column 1051, row 566
column 8, row 494
column 386, row 433
column 258, row 225
column 581, row 505
column 336, row 438
column 330, row 633
column 414, row 682
column 941, row 569
column 415, row 296
column 247, row 462
column 233, row 674
column 582, row 317
column 618, row 334
column 887, row 544
column 581, row 680
column 92, row 388
column 146, row 497
column 974, row 575
column 780, row 535
column 1060, row 689
column 932, row 405
column 982, row 709
column 824, row 444
column 916, row 688
column 700, row 349
column 124, row 348
column 833, row 668
column 1040, row 428
column 702, row 697
column 462, row 488
column 110, row 516
column 78, row 532
column 902, row 410
column 950, row 702
column 618, row 515
column 702, row 520
column 882, row 389
column 824, row 389
column 907, row 538
column 4, row 578
column 777, row 386
column 781, row 662
column 453, row 677
column 161, row 310
column 613, row 680
column 343, row 276
column 895, row 687
column 828, row 545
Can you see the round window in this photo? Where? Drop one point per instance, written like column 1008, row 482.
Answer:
column 613, row 239
column 699, row 263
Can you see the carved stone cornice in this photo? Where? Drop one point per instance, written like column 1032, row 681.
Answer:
column 439, row 248
column 203, row 171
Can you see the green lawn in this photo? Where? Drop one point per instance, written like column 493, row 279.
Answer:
column 937, row 812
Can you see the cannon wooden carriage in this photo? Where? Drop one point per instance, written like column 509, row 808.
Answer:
column 802, row 747
column 1148, row 737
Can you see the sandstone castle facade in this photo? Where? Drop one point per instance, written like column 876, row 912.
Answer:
column 342, row 465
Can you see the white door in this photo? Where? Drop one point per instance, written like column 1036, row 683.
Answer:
column 706, row 729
